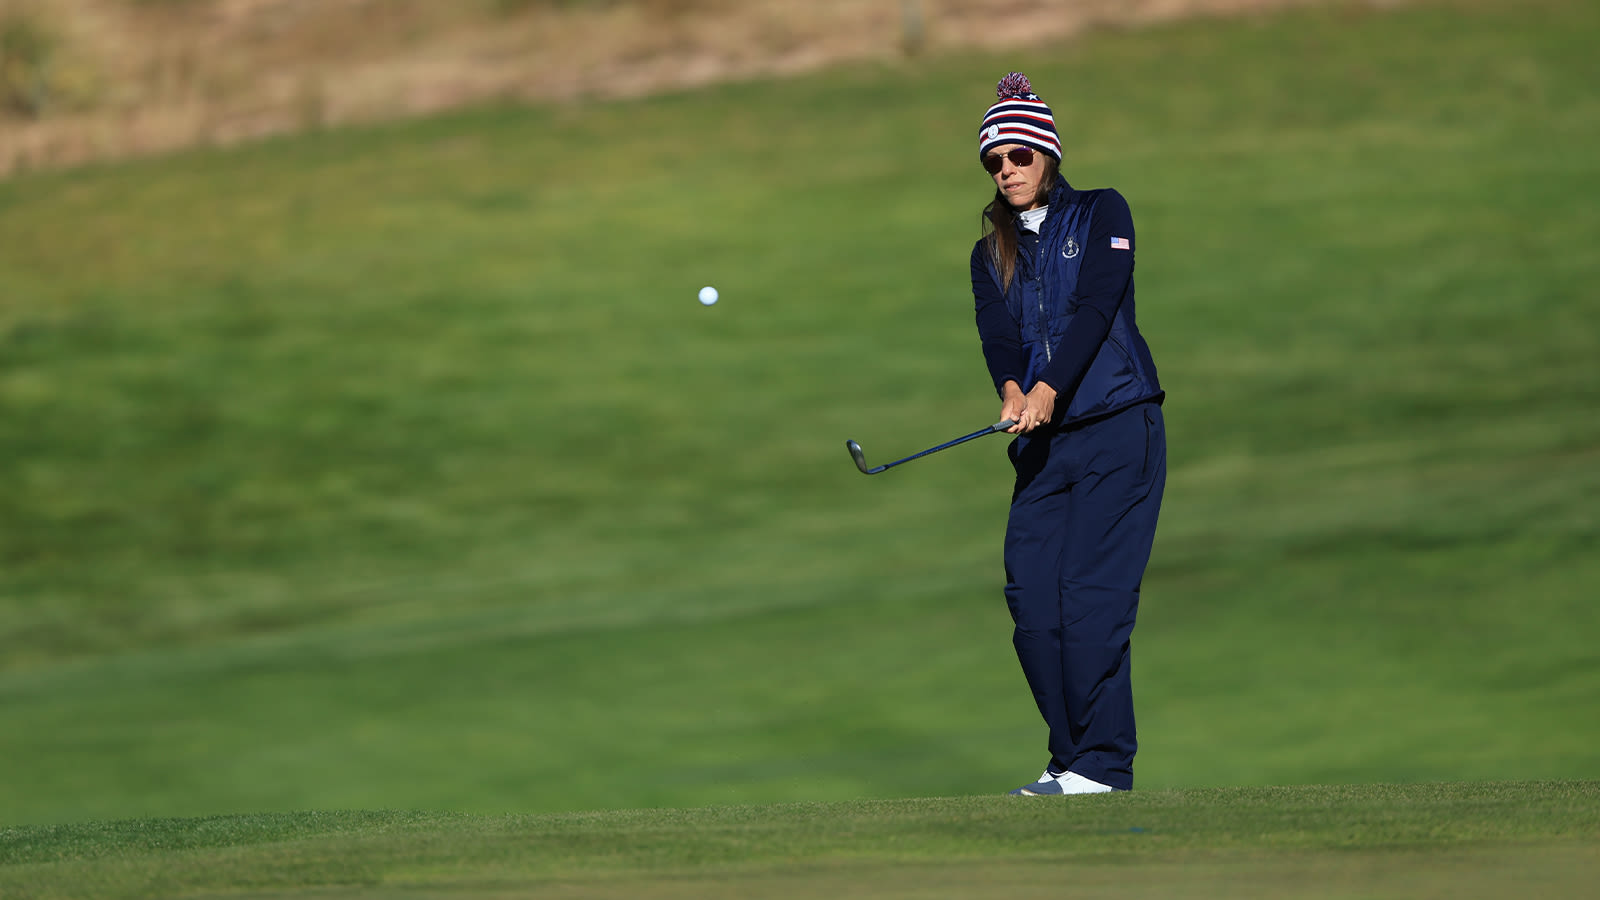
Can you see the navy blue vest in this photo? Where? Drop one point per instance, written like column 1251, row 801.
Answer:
column 1043, row 298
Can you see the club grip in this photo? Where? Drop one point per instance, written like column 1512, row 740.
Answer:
column 1002, row 425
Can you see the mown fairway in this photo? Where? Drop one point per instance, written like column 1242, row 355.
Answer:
column 400, row 469
column 1454, row 840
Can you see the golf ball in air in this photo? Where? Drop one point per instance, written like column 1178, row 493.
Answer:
column 708, row 296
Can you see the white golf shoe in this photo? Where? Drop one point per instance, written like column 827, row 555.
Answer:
column 1052, row 785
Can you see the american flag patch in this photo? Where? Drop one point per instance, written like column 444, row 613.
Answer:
column 1120, row 244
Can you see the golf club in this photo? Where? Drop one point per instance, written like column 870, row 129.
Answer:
column 861, row 459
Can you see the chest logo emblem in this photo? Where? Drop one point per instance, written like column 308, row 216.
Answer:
column 1070, row 249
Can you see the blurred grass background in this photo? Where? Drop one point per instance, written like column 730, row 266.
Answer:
column 398, row 467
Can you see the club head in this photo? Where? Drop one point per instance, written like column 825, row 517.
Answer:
column 860, row 458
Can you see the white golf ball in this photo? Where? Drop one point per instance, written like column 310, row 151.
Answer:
column 708, row 295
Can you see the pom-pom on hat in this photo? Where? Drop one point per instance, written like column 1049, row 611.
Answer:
column 1019, row 118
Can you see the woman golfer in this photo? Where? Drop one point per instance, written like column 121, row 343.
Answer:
column 1052, row 281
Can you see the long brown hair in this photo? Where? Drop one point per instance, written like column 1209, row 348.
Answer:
column 1000, row 224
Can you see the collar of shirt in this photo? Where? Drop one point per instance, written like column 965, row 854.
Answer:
column 1032, row 219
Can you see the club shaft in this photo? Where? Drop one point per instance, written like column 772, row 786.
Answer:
column 998, row 426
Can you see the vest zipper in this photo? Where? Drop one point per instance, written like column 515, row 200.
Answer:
column 1038, row 291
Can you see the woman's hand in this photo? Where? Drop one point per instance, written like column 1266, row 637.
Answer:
column 1038, row 407
column 1012, row 405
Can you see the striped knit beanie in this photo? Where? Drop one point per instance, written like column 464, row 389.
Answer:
column 1019, row 118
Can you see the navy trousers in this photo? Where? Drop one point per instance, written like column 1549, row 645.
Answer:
column 1083, row 519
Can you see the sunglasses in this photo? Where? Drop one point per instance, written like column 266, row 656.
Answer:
column 1021, row 157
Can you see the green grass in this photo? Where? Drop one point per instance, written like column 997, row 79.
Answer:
column 1369, row 841
column 399, row 468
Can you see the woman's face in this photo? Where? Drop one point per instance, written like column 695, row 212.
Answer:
column 1019, row 184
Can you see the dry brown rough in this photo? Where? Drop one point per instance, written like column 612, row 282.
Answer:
column 136, row 77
